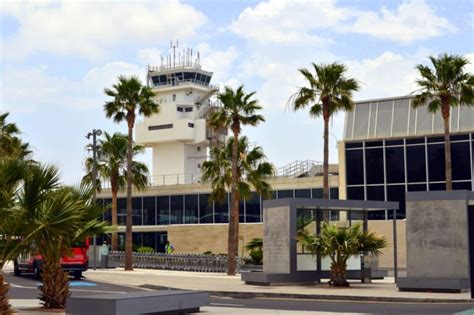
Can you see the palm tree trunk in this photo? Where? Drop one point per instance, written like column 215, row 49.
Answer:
column 326, row 159
column 128, row 229
column 5, row 307
column 55, row 288
column 114, row 219
column 447, row 145
column 233, row 241
column 339, row 275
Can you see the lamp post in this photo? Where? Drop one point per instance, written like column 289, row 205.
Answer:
column 94, row 134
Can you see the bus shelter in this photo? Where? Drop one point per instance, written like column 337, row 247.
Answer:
column 285, row 261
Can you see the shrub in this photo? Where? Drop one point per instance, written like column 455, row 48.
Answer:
column 145, row 249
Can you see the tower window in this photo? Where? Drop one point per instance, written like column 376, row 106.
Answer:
column 174, row 97
column 189, row 109
column 180, row 109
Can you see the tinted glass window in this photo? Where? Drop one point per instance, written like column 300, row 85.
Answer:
column 252, row 208
column 205, row 209
column 108, row 212
column 149, row 240
column 273, row 195
column 416, row 164
column 437, row 186
column 397, row 193
column 317, row 193
column 462, row 186
column 374, row 165
column 460, row 161
column 149, row 208
column 163, row 209
column 221, row 211
column 394, row 159
column 354, row 167
column 176, row 214
column 285, row 194
column 353, row 145
column 375, row 193
column 334, row 192
column 370, row 144
column 416, row 187
column 355, row 193
column 137, row 239
column 137, row 211
column 436, row 168
column 121, row 210
column 303, row 193
column 191, row 209
column 393, row 142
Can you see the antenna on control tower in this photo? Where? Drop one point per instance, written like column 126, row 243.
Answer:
column 174, row 46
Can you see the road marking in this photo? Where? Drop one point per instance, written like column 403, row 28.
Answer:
column 81, row 284
column 227, row 304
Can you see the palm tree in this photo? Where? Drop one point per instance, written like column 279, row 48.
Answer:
column 255, row 247
column 251, row 171
column 111, row 165
column 10, row 143
column 339, row 244
column 328, row 92
column 130, row 98
column 445, row 87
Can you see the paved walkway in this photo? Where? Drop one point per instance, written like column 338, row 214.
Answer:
column 382, row 290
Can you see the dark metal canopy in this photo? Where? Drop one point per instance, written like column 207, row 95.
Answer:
column 332, row 204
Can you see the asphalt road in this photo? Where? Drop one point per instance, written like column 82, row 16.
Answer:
column 25, row 287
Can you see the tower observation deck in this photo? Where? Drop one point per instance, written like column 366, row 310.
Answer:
column 178, row 134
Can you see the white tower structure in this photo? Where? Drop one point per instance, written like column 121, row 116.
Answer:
column 178, row 134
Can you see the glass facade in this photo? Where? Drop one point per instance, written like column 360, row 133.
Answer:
column 198, row 209
column 386, row 169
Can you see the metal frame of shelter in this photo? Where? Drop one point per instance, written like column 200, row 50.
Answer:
column 320, row 205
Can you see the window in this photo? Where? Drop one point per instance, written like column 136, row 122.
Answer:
column 179, row 109
column 108, row 213
column 252, row 208
column 416, row 164
column 149, row 240
column 191, row 209
column 354, row 167
column 285, row 194
column 149, row 211
column 163, row 210
column 355, row 193
column 462, row 186
column 188, row 109
column 303, row 193
column 395, row 164
column 176, row 209
column 436, row 168
column 397, row 193
column 205, row 209
column 137, row 211
column 190, row 125
column 221, row 210
column 460, row 160
column 121, row 210
column 374, row 166
column 334, row 193
column 158, row 127
column 317, row 193
column 174, row 97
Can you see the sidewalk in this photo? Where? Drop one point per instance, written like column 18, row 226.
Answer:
column 223, row 285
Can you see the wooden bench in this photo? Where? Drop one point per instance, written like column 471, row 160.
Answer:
column 134, row 303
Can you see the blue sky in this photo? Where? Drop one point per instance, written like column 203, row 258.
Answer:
column 57, row 57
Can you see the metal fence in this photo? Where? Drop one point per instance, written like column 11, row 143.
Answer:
column 180, row 262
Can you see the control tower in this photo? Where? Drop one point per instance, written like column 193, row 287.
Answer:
column 178, row 134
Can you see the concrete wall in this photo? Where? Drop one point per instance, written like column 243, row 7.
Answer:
column 210, row 237
column 384, row 227
column 276, row 240
column 437, row 244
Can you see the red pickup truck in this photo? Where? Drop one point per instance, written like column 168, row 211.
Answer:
column 75, row 263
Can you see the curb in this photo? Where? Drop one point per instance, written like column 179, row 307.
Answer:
column 347, row 298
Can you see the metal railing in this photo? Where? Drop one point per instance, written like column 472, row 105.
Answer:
column 297, row 168
column 179, row 262
column 167, row 179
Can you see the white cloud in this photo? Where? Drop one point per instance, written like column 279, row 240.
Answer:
column 150, row 56
column 298, row 22
column 220, row 62
column 412, row 20
column 288, row 22
column 91, row 28
column 27, row 89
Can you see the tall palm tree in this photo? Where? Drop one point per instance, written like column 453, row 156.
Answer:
column 111, row 165
column 444, row 87
column 130, row 98
column 339, row 244
column 10, row 142
column 328, row 92
column 251, row 172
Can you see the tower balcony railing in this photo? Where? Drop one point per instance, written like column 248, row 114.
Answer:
column 186, row 82
column 166, row 180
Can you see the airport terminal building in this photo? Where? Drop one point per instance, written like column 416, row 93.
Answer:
column 388, row 149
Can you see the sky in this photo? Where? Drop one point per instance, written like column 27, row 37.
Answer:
column 57, row 58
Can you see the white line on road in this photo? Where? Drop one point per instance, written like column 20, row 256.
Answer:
column 226, row 304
